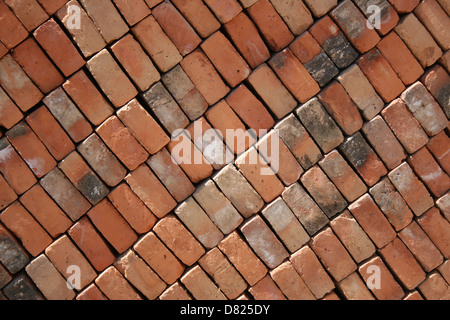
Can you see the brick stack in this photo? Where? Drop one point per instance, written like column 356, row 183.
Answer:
column 88, row 177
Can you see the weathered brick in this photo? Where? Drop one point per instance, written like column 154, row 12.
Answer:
column 22, row 288
column 133, row 11
column 437, row 82
column 13, row 32
column 445, row 60
column 444, row 270
column 434, row 18
column 175, row 292
column 5, row 278
column 295, row 14
column 199, row 16
column 200, row 286
column 443, row 203
column 290, row 282
column 115, row 286
column 8, row 195
column 415, row 295
column 266, row 289
column 91, row 293
column 224, row 10
column 320, row 7
column 12, row 256
column 439, row 146
column 435, row 288
column 9, row 113
column 437, row 228
column 404, row 6
column 353, row 288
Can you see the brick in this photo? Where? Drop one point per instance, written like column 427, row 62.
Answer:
column 266, row 289
column 63, row 254
column 159, row 258
column 45, row 211
column 445, row 60
column 295, row 14
column 327, row 247
column 247, row 40
column 435, row 288
column 290, row 282
column 88, row 39
column 176, row 27
column 361, row 91
column 67, row 114
column 332, row 296
column 199, row 16
column 12, row 256
column 107, row 19
column 10, row 114
column 14, row 32
column 102, row 160
column 243, row 258
column 333, row 42
column 339, row 105
column 323, row 191
column 91, row 293
column 285, row 224
column 133, row 11
column 390, row 289
column 312, row 113
column 153, row 39
column 115, row 286
column 59, row 47
column 304, row 208
column 372, row 220
column 297, row 139
column 363, row 159
column 388, row 19
column 178, row 239
column 22, row 288
column 120, row 140
column 148, row 188
column 36, row 64
column 224, row 10
column 8, row 195
column 438, row 146
column 437, row 82
column 444, row 270
column 139, row 274
column 437, row 229
column 320, row 7
column 353, row 288
column 200, row 286
column 425, row 109
column 443, row 204
column 33, row 237
column 411, row 189
column 401, row 59
column 92, row 244
column 17, row 84
column 31, row 149
column 421, row 247
column 185, row 93
column 14, row 169
column 247, row 3
column 430, row 172
column 175, row 292
column 223, row 273
column 392, row 204
column 237, row 189
column 434, row 18
column 384, row 142
column 445, row 5
column 405, row 126
column 51, row 6
column 165, row 108
column 279, row 100
column 418, row 40
column 404, row 6
column 217, row 207
column 413, row 296
column 5, row 277
column 271, row 26
column 3, row 50
column 381, row 75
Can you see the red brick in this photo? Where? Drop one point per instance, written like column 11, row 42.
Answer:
column 3, row 50
column 12, row 256
column 120, row 140
column 91, row 293
column 13, row 32
column 102, row 160
column 50, row 133
column 159, row 258
column 14, row 169
column 411, row 189
column 88, row 98
column 437, row 228
column 133, row 11
column 437, row 82
column 45, row 211
column 176, row 27
column 148, row 188
column 9, row 113
column 372, row 221
column 247, row 40
column 226, row 59
column 266, row 289
column 92, row 244
column 445, row 60
column 389, row 288
column 175, row 292
column 294, row 75
column 51, row 6
column 445, row 5
column 33, row 237
column 434, row 18
column 5, row 278
column 224, row 10
column 444, row 270
column 320, row 7
column 153, row 39
column 439, row 146
column 272, row 27
column 200, row 286
column 404, row 6
column 247, row 3
column 295, row 15
column 152, row 3
column 290, row 282
column 178, row 239
column 353, row 288
column 29, row 12
column 115, row 286
column 205, row 78
column 418, row 40
column 405, row 126
column 139, row 274
column 381, row 75
column 198, row 15
column 8, row 195
column 415, row 295
column 17, row 84
column 443, row 204
column 332, row 296
column 435, row 288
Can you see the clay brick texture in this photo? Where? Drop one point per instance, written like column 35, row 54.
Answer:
column 225, row 149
